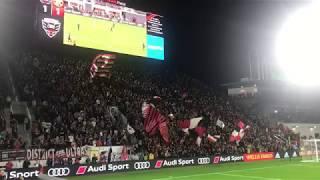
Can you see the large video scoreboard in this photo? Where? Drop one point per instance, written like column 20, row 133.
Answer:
column 107, row 25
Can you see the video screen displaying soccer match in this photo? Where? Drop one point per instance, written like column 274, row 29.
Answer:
column 107, row 25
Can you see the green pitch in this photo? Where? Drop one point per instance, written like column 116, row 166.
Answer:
column 105, row 35
column 266, row 170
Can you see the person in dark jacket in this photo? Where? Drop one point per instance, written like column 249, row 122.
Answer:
column 109, row 155
column 26, row 164
column 94, row 159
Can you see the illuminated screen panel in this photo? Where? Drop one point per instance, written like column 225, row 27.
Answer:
column 102, row 24
column 110, row 27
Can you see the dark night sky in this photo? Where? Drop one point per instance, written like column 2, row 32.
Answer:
column 209, row 39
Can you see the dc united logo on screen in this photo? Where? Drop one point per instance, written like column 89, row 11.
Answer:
column 151, row 16
column 51, row 26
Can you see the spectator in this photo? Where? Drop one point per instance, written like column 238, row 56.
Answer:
column 50, row 160
column 88, row 160
column 9, row 166
column 94, row 159
column 109, row 155
column 71, row 104
column 77, row 161
column 2, row 174
column 146, row 157
column 151, row 156
column 26, row 164
column 103, row 157
column 70, row 161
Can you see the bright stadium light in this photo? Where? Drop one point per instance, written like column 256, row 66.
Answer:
column 298, row 46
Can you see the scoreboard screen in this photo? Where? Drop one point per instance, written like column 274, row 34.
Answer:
column 107, row 25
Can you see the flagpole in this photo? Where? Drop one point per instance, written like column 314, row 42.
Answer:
column 289, row 141
column 54, row 154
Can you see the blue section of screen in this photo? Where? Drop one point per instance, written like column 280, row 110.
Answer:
column 155, row 47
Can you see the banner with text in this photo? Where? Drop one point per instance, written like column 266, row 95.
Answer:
column 258, row 156
column 43, row 154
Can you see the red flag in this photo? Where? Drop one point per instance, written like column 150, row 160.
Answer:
column 241, row 125
column 164, row 131
column 236, row 136
column 152, row 118
column 124, row 154
column 184, row 124
column 189, row 123
column 200, row 131
column 213, row 139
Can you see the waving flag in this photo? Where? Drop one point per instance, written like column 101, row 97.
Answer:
column 154, row 121
column 198, row 141
column 213, row 139
column 238, row 135
column 130, row 129
column 241, row 125
column 189, row 123
column 220, row 124
column 164, row 131
column 200, row 131
column 235, row 136
column 145, row 109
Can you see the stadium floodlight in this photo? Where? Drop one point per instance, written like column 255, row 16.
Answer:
column 298, row 46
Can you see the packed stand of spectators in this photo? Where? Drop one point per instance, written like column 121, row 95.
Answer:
column 4, row 93
column 67, row 103
column 9, row 138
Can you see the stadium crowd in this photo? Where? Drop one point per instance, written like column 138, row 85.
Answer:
column 71, row 109
column 9, row 138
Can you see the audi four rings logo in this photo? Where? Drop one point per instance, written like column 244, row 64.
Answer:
column 203, row 160
column 58, row 172
column 141, row 165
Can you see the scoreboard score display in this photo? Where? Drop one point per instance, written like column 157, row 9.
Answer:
column 107, row 25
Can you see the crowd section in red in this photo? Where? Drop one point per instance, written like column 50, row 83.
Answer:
column 185, row 118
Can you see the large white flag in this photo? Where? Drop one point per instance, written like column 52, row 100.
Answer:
column 220, row 123
column 213, row 139
column 194, row 122
column 198, row 141
column 130, row 129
